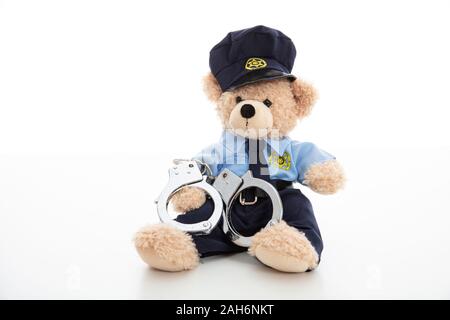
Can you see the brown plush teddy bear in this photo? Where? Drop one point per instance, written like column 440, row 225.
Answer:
column 258, row 99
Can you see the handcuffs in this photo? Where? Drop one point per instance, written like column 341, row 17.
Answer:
column 223, row 190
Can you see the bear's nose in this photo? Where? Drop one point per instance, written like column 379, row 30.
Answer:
column 247, row 111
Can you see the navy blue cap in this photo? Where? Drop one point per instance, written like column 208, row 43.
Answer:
column 251, row 55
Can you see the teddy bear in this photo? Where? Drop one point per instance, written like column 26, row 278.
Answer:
column 259, row 102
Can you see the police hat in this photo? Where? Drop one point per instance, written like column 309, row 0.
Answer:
column 250, row 55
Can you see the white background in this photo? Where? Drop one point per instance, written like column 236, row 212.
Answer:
column 97, row 97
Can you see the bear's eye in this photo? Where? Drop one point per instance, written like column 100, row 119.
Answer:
column 238, row 99
column 267, row 102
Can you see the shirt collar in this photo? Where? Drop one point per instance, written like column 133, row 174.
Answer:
column 279, row 145
column 232, row 142
column 236, row 143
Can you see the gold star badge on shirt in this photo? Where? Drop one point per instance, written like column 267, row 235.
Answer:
column 281, row 162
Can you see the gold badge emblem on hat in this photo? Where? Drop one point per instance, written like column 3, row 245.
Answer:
column 255, row 63
column 280, row 162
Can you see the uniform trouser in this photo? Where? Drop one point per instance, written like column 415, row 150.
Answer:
column 249, row 219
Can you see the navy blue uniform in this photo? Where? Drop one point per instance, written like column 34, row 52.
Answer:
column 249, row 219
column 283, row 161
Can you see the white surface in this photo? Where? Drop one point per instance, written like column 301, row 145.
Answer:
column 67, row 223
column 96, row 97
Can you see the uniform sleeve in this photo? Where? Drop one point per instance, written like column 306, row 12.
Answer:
column 211, row 157
column 307, row 154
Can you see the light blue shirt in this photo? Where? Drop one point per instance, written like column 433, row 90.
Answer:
column 287, row 159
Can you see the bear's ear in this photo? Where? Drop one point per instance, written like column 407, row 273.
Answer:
column 211, row 87
column 305, row 96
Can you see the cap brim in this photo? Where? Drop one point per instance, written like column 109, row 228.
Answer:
column 242, row 76
column 260, row 75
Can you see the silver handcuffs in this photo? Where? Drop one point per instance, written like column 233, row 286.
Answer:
column 226, row 188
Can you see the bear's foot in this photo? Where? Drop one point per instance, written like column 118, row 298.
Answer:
column 166, row 248
column 284, row 248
